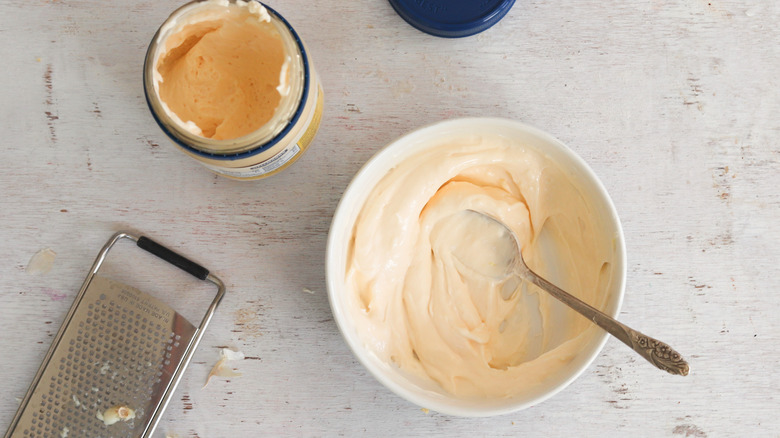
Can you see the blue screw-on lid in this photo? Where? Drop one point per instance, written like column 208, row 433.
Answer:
column 452, row 18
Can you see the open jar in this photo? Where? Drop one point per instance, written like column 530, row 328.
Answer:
column 230, row 83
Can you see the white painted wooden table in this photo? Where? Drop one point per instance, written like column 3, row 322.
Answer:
column 673, row 103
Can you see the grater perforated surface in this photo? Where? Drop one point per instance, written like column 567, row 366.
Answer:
column 120, row 348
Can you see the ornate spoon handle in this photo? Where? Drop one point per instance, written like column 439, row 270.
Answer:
column 656, row 352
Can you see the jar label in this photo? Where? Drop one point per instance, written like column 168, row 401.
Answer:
column 314, row 124
column 259, row 169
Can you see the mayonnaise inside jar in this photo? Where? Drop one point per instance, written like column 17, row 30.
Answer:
column 231, row 84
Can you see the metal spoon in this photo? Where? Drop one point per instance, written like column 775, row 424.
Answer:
column 656, row 352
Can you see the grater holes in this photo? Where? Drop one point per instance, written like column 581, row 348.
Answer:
column 113, row 338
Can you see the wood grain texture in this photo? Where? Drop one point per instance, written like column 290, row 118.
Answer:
column 673, row 103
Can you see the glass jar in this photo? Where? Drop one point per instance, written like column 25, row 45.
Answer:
column 289, row 131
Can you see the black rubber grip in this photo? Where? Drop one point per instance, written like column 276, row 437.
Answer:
column 171, row 257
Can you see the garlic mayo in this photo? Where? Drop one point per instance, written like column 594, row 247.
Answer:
column 418, row 302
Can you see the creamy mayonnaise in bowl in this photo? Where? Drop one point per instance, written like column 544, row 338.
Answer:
column 402, row 253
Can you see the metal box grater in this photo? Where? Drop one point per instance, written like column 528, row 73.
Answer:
column 117, row 348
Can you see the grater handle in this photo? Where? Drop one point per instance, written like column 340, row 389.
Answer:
column 173, row 258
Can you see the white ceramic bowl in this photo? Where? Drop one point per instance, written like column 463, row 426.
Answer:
column 351, row 204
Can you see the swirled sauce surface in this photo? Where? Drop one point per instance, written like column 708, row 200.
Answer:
column 223, row 70
column 421, row 273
